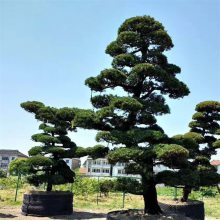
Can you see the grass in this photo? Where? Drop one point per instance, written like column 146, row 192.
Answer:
column 115, row 200
column 112, row 202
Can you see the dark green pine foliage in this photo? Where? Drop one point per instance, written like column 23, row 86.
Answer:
column 46, row 164
column 184, row 175
column 94, row 152
column 202, row 142
column 206, row 122
column 142, row 77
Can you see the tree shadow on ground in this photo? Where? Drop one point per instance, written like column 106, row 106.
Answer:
column 2, row 215
column 79, row 215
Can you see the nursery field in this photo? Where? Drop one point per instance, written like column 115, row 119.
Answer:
column 89, row 198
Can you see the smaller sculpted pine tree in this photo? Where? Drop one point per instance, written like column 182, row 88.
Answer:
column 202, row 142
column 181, row 173
column 46, row 164
column 206, row 122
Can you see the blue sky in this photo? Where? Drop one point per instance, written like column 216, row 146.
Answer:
column 48, row 49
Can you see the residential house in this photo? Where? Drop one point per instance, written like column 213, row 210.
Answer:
column 73, row 163
column 6, row 156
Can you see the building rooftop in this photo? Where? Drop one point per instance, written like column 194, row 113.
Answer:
column 82, row 170
column 12, row 153
column 215, row 162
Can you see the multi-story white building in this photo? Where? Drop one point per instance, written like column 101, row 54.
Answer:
column 101, row 167
column 6, row 156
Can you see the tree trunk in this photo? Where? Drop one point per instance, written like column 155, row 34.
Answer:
column 186, row 191
column 49, row 182
column 218, row 188
column 49, row 186
column 151, row 205
column 111, row 169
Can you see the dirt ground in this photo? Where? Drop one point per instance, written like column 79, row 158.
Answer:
column 14, row 213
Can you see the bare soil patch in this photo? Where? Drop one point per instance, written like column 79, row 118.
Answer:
column 14, row 213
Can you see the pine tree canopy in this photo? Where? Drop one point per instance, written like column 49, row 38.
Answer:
column 141, row 69
column 95, row 152
column 206, row 122
column 46, row 164
column 206, row 119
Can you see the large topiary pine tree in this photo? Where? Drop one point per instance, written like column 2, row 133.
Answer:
column 46, row 164
column 127, row 120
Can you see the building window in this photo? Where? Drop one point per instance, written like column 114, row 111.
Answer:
column 5, row 158
column 67, row 161
column 3, row 165
column 105, row 170
column 12, row 158
column 121, row 164
column 97, row 162
column 105, row 162
column 95, row 170
column 121, row 171
column 89, row 170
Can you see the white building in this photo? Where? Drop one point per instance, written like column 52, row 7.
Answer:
column 73, row 163
column 68, row 162
column 101, row 167
column 6, row 156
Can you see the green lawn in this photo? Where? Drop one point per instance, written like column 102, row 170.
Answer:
column 115, row 200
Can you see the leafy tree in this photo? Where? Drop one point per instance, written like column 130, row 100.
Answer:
column 142, row 77
column 3, row 174
column 46, row 164
column 203, row 141
column 19, row 166
column 128, row 185
column 106, row 186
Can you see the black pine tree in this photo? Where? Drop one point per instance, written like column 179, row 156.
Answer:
column 202, row 142
column 144, row 77
column 46, row 164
